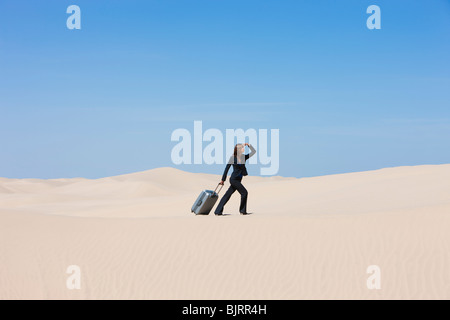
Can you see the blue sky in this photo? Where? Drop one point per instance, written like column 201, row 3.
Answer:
column 105, row 99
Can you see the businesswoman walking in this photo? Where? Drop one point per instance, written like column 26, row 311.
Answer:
column 238, row 161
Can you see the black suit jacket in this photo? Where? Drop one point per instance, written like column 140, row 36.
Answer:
column 239, row 169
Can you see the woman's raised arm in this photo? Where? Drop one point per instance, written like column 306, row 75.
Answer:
column 252, row 151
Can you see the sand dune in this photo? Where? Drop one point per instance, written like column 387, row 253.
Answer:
column 134, row 237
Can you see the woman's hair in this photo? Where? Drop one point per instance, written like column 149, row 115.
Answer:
column 236, row 148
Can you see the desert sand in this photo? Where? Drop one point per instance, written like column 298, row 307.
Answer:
column 133, row 237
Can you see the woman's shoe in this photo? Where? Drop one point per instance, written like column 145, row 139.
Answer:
column 218, row 214
column 245, row 213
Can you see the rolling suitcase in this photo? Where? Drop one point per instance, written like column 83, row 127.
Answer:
column 206, row 201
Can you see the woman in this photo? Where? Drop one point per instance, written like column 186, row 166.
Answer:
column 238, row 161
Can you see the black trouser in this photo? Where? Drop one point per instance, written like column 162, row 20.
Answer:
column 235, row 185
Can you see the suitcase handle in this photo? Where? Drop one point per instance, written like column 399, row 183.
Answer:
column 219, row 189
